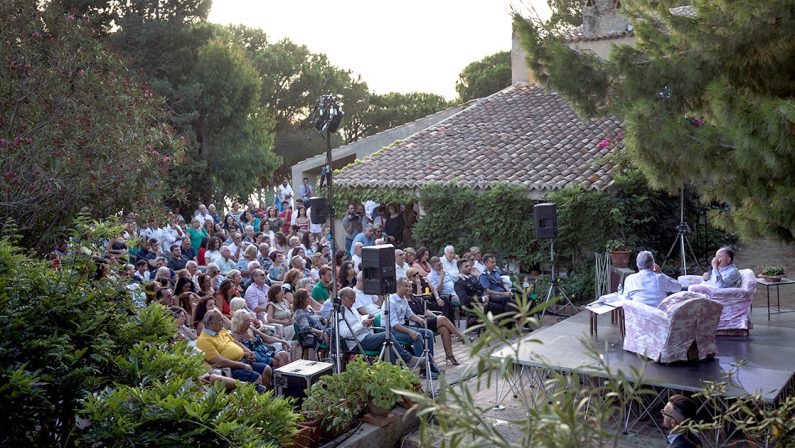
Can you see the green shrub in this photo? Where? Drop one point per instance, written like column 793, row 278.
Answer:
column 177, row 414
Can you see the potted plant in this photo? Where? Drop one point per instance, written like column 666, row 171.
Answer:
column 619, row 253
column 385, row 378
column 327, row 403
column 772, row 274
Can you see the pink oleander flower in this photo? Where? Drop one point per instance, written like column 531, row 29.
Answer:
column 604, row 143
column 36, row 34
column 620, row 134
column 3, row 142
column 70, row 18
column 697, row 121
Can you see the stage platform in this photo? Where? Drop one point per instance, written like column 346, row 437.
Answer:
column 763, row 362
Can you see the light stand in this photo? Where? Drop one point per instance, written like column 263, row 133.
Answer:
column 682, row 231
column 327, row 118
column 388, row 345
column 554, row 284
column 426, row 348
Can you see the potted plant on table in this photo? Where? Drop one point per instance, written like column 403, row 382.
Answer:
column 619, row 253
column 772, row 274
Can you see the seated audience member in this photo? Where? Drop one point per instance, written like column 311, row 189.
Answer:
column 366, row 304
column 347, row 277
column 450, row 262
column 249, row 255
column 477, row 265
column 142, row 273
column 280, row 312
column 184, row 332
column 203, row 306
column 421, row 263
column 322, row 289
column 724, row 273
column 678, row 409
column 176, row 261
column 221, row 350
column 226, row 292
column 400, row 263
column 257, row 294
column 165, row 297
column 649, row 285
column 226, row 263
column 366, row 237
column 244, row 332
column 356, row 258
column 278, row 267
column 309, row 325
column 186, row 249
column 422, row 287
column 422, row 305
column 468, row 287
column 400, row 315
column 354, row 326
column 493, row 288
column 444, row 283
column 206, row 288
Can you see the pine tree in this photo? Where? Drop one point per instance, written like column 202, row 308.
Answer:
column 706, row 96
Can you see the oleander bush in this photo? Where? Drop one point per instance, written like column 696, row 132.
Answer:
column 76, row 345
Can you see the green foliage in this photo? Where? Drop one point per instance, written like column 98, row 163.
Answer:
column 707, row 101
column 481, row 78
column 498, row 220
column 76, row 128
column 383, row 379
column 772, row 271
column 71, row 340
column 173, row 414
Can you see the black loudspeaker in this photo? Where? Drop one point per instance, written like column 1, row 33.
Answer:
column 319, row 208
column 378, row 269
column 546, row 221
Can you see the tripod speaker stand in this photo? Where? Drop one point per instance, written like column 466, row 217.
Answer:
column 554, row 285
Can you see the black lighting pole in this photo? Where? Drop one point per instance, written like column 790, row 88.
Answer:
column 327, row 118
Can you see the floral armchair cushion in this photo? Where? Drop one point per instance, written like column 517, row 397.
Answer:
column 736, row 301
column 666, row 334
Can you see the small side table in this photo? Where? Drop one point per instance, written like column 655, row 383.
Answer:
column 767, row 285
column 616, row 314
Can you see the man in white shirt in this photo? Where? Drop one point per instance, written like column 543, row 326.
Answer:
column 649, row 285
column 287, row 192
column 353, row 326
column 257, row 295
column 400, row 264
column 400, row 314
column 226, row 263
column 204, row 215
column 356, row 258
column 366, row 304
column 450, row 263
column 477, row 267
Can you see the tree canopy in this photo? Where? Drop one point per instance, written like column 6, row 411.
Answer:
column 707, row 100
column 76, row 127
column 484, row 77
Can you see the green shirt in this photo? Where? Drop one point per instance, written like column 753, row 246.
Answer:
column 196, row 237
column 320, row 292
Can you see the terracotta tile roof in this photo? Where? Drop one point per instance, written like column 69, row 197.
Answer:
column 522, row 135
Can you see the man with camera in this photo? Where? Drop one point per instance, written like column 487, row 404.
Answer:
column 352, row 223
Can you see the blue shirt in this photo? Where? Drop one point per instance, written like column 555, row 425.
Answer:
column 362, row 238
column 727, row 277
column 447, row 288
column 491, row 280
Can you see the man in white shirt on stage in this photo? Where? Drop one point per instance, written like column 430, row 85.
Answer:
column 649, row 285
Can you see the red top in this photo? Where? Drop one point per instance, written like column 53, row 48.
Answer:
column 200, row 257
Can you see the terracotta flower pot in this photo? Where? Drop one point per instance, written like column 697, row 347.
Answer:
column 620, row 258
column 377, row 411
column 305, row 437
column 772, row 279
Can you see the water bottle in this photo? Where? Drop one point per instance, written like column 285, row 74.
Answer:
column 620, row 292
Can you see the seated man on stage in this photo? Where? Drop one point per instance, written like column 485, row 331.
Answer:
column 724, row 273
column 400, row 314
column 678, row 409
column 649, row 285
column 352, row 325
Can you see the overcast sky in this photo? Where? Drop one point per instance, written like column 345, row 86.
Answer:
column 403, row 46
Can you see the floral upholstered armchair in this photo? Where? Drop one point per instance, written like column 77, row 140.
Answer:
column 682, row 328
column 736, row 303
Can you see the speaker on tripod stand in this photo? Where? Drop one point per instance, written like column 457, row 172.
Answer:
column 545, row 216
